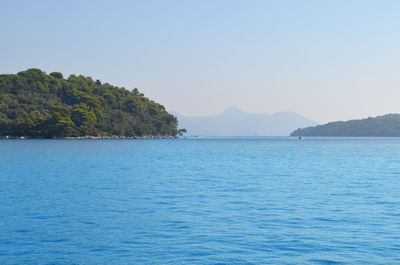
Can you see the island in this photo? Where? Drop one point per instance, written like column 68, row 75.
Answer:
column 34, row 104
column 381, row 126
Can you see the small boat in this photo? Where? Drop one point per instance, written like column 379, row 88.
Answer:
column 300, row 137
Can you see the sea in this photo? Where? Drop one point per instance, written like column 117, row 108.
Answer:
column 255, row 200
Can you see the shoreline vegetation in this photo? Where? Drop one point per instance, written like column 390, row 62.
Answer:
column 381, row 126
column 90, row 137
column 34, row 104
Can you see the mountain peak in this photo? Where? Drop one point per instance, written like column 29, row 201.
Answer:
column 233, row 110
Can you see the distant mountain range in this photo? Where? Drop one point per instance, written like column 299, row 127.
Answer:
column 386, row 125
column 235, row 122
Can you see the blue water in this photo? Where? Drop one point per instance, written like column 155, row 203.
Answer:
column 200, row 201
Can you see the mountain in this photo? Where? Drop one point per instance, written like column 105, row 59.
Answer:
column 386, row 125
column 35, row 104
column 235, row 122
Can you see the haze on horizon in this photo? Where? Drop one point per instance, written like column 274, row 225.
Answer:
column 326, row 60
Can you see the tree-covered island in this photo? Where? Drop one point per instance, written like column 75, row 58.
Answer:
column 386, row 126
column 36, row 104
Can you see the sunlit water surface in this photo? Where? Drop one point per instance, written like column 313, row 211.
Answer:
column 200, row 201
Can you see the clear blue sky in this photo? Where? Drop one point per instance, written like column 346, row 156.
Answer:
column 328, row 60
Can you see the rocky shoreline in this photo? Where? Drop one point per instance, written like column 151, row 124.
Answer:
column 90, row 137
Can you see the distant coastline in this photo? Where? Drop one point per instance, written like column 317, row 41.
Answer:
column 381, row 126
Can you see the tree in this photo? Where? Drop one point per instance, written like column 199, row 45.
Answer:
column 135, row 92
column 57, row 75
column 182, row 131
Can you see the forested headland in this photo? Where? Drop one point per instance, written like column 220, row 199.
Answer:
column 386, row 125
column 36, row 104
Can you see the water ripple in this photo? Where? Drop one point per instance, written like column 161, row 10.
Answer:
column 200, row 201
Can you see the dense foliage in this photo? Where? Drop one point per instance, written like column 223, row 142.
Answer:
column 35, row 104
column 386, row 125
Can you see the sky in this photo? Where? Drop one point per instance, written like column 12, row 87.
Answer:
column 326, row 60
